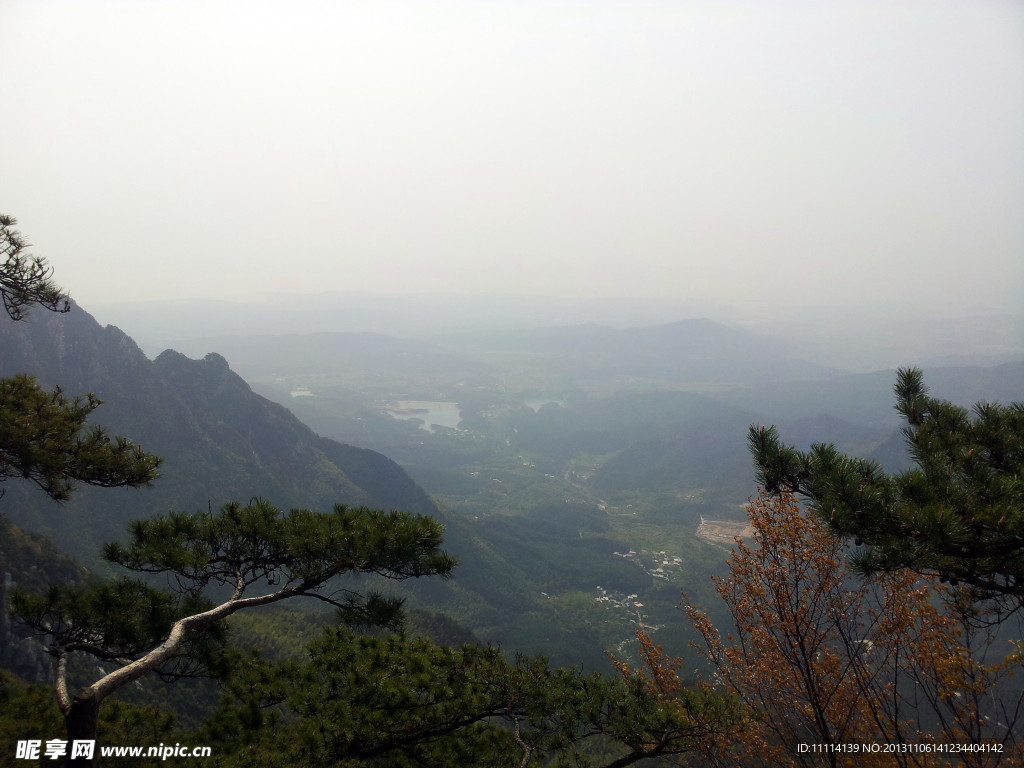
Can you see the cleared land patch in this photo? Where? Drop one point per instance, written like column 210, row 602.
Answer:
column 724, row 532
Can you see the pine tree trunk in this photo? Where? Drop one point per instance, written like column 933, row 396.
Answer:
column 81, row 722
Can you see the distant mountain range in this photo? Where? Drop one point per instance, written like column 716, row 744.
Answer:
column 860, row 336
column 693, row 353
column 697, row 354
column 158, row 325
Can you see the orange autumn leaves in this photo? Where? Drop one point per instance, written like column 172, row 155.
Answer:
column 820, row 656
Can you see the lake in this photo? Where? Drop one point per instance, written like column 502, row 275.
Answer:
column 430, row 411
column 536, row 405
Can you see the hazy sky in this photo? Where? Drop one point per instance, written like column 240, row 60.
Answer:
column 750, row 152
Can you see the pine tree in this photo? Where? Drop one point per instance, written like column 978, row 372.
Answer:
column 396, row 701
column 25, row 280
column 258, row 553
column 43, row 435
column 959, row 514
column 43, row 438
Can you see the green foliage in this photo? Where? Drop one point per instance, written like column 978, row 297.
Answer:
column 26, row 711
column 439, row 628
column 261, row 555
column 117, row 622
column 34, row 562
column 41, row 433
column 959, row 513
column 281, row 631
column 301, row 551
column 365, row 697
column 25, row 280
column 394, row 701
column 43, row 439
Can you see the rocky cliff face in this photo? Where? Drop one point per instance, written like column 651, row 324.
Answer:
column 219, row 440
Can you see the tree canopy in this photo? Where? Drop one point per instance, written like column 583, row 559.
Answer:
column 43, row 435
column 25, row 280
column 43, row 438
column 258, row 553
column 399, row 701
column 818, row 656
column 958, row 514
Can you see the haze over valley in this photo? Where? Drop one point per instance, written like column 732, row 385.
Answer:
column 574, row 465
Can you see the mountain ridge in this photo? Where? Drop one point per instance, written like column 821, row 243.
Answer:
column 220, row 440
